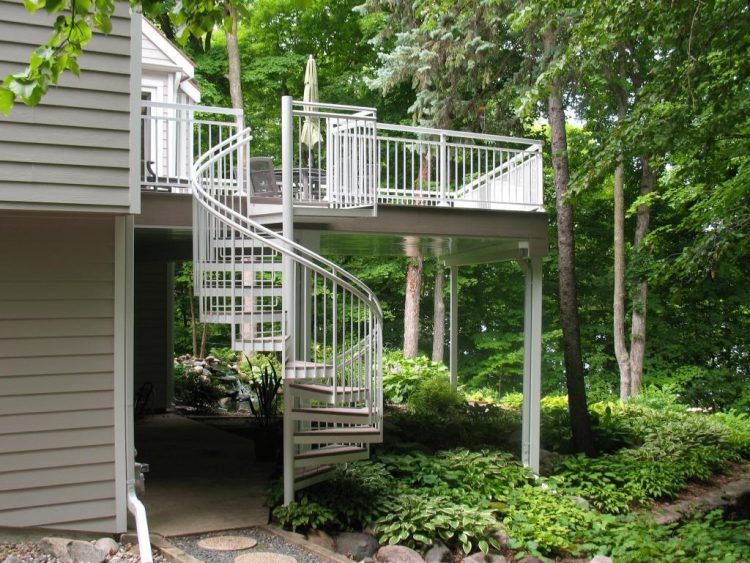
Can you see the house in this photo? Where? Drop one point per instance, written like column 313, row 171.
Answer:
column 120, row 172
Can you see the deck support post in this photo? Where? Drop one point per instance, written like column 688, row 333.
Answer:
column 288, row 293
column 453, row 361
column 532, row 362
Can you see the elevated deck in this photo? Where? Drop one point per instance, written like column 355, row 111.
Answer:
column 359, row 186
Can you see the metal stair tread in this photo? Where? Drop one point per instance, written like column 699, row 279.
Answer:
column 329, row 451
column 340, row 431
column 325, row 389
column 349, row 411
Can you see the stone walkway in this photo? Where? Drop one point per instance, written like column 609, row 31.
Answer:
column 267, row 546
column 201, row 479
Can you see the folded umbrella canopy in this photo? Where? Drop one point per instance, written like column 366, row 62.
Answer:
column 310, row 135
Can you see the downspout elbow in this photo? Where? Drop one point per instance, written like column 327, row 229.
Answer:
column 136, row 508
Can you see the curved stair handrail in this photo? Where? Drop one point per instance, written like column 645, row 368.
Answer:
column 282, row 297
column 278, row 242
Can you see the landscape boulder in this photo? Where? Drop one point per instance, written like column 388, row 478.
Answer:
column 56, row 547
column 397, row 554
column 438, row 553
column 490, row 557
column 356, row 545
column 107, row 545
column 601, row 559
column 319, row 537
column 85, row 552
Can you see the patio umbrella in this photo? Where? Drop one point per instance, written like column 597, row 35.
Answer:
column 310, row 135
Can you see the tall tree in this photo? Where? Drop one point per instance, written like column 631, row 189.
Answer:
column 233, row 56
column 567, row 284
column 411, row 305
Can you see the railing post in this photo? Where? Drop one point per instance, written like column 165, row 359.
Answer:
column 453, row 361
column 540, row 177
column 443, row 171
column 287, row 220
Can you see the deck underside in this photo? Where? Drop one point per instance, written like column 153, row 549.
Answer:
column 459, row 236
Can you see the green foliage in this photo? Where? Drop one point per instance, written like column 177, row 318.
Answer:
column 668, row 447
column 460, row 474
column 224, row 355
column 416, row 519
column 303, row 515
column 436, row 395
column 353, row 493
column 704, row 537
column 402, row 376
column 265, row 386
column 75, row 22
column 544, row 522
column 196, row 390
column 465, row 496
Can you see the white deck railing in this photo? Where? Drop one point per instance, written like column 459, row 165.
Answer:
column 335, row 155
column 438, row 167
column 173, row 136
column 344, row 158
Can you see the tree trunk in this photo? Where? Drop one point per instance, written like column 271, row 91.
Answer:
column 203, row 340
column 640, row 296
column 618, row 301
column 411, row 306
column 192, row 320
column 233, row 58
column 618, row 304
column 574, row 376
column 438, row 316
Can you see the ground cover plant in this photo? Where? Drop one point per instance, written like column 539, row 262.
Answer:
column 478, row 497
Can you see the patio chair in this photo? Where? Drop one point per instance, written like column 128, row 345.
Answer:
column 263, row 178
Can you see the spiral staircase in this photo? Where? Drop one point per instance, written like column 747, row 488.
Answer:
column 280, row 297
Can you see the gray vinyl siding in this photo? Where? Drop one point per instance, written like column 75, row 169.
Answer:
column 73, row 150
column 57, row 414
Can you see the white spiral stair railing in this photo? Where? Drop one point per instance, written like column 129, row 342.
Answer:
column 281, row 297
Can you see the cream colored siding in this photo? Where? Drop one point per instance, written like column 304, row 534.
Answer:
column 57, row 416
column 72, row 150
column 152, row 55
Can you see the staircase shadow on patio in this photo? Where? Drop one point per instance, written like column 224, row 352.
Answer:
column 201, row 479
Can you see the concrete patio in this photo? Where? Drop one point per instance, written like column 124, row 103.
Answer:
column 201, row 479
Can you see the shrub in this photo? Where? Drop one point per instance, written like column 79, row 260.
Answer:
column 195, row 390
column 402, row 376
column 303, row 515
column 437, row 396
column 479, row 426
column 355, row 492
column 460, row 473
column 415, row 519
column 224, row 355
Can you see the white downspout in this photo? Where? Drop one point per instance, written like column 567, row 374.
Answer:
column 136, row 508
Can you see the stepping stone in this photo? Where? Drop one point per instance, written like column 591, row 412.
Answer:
column 227, row 543
column 267, row 557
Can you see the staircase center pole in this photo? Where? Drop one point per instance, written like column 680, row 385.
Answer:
column 287, row 210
